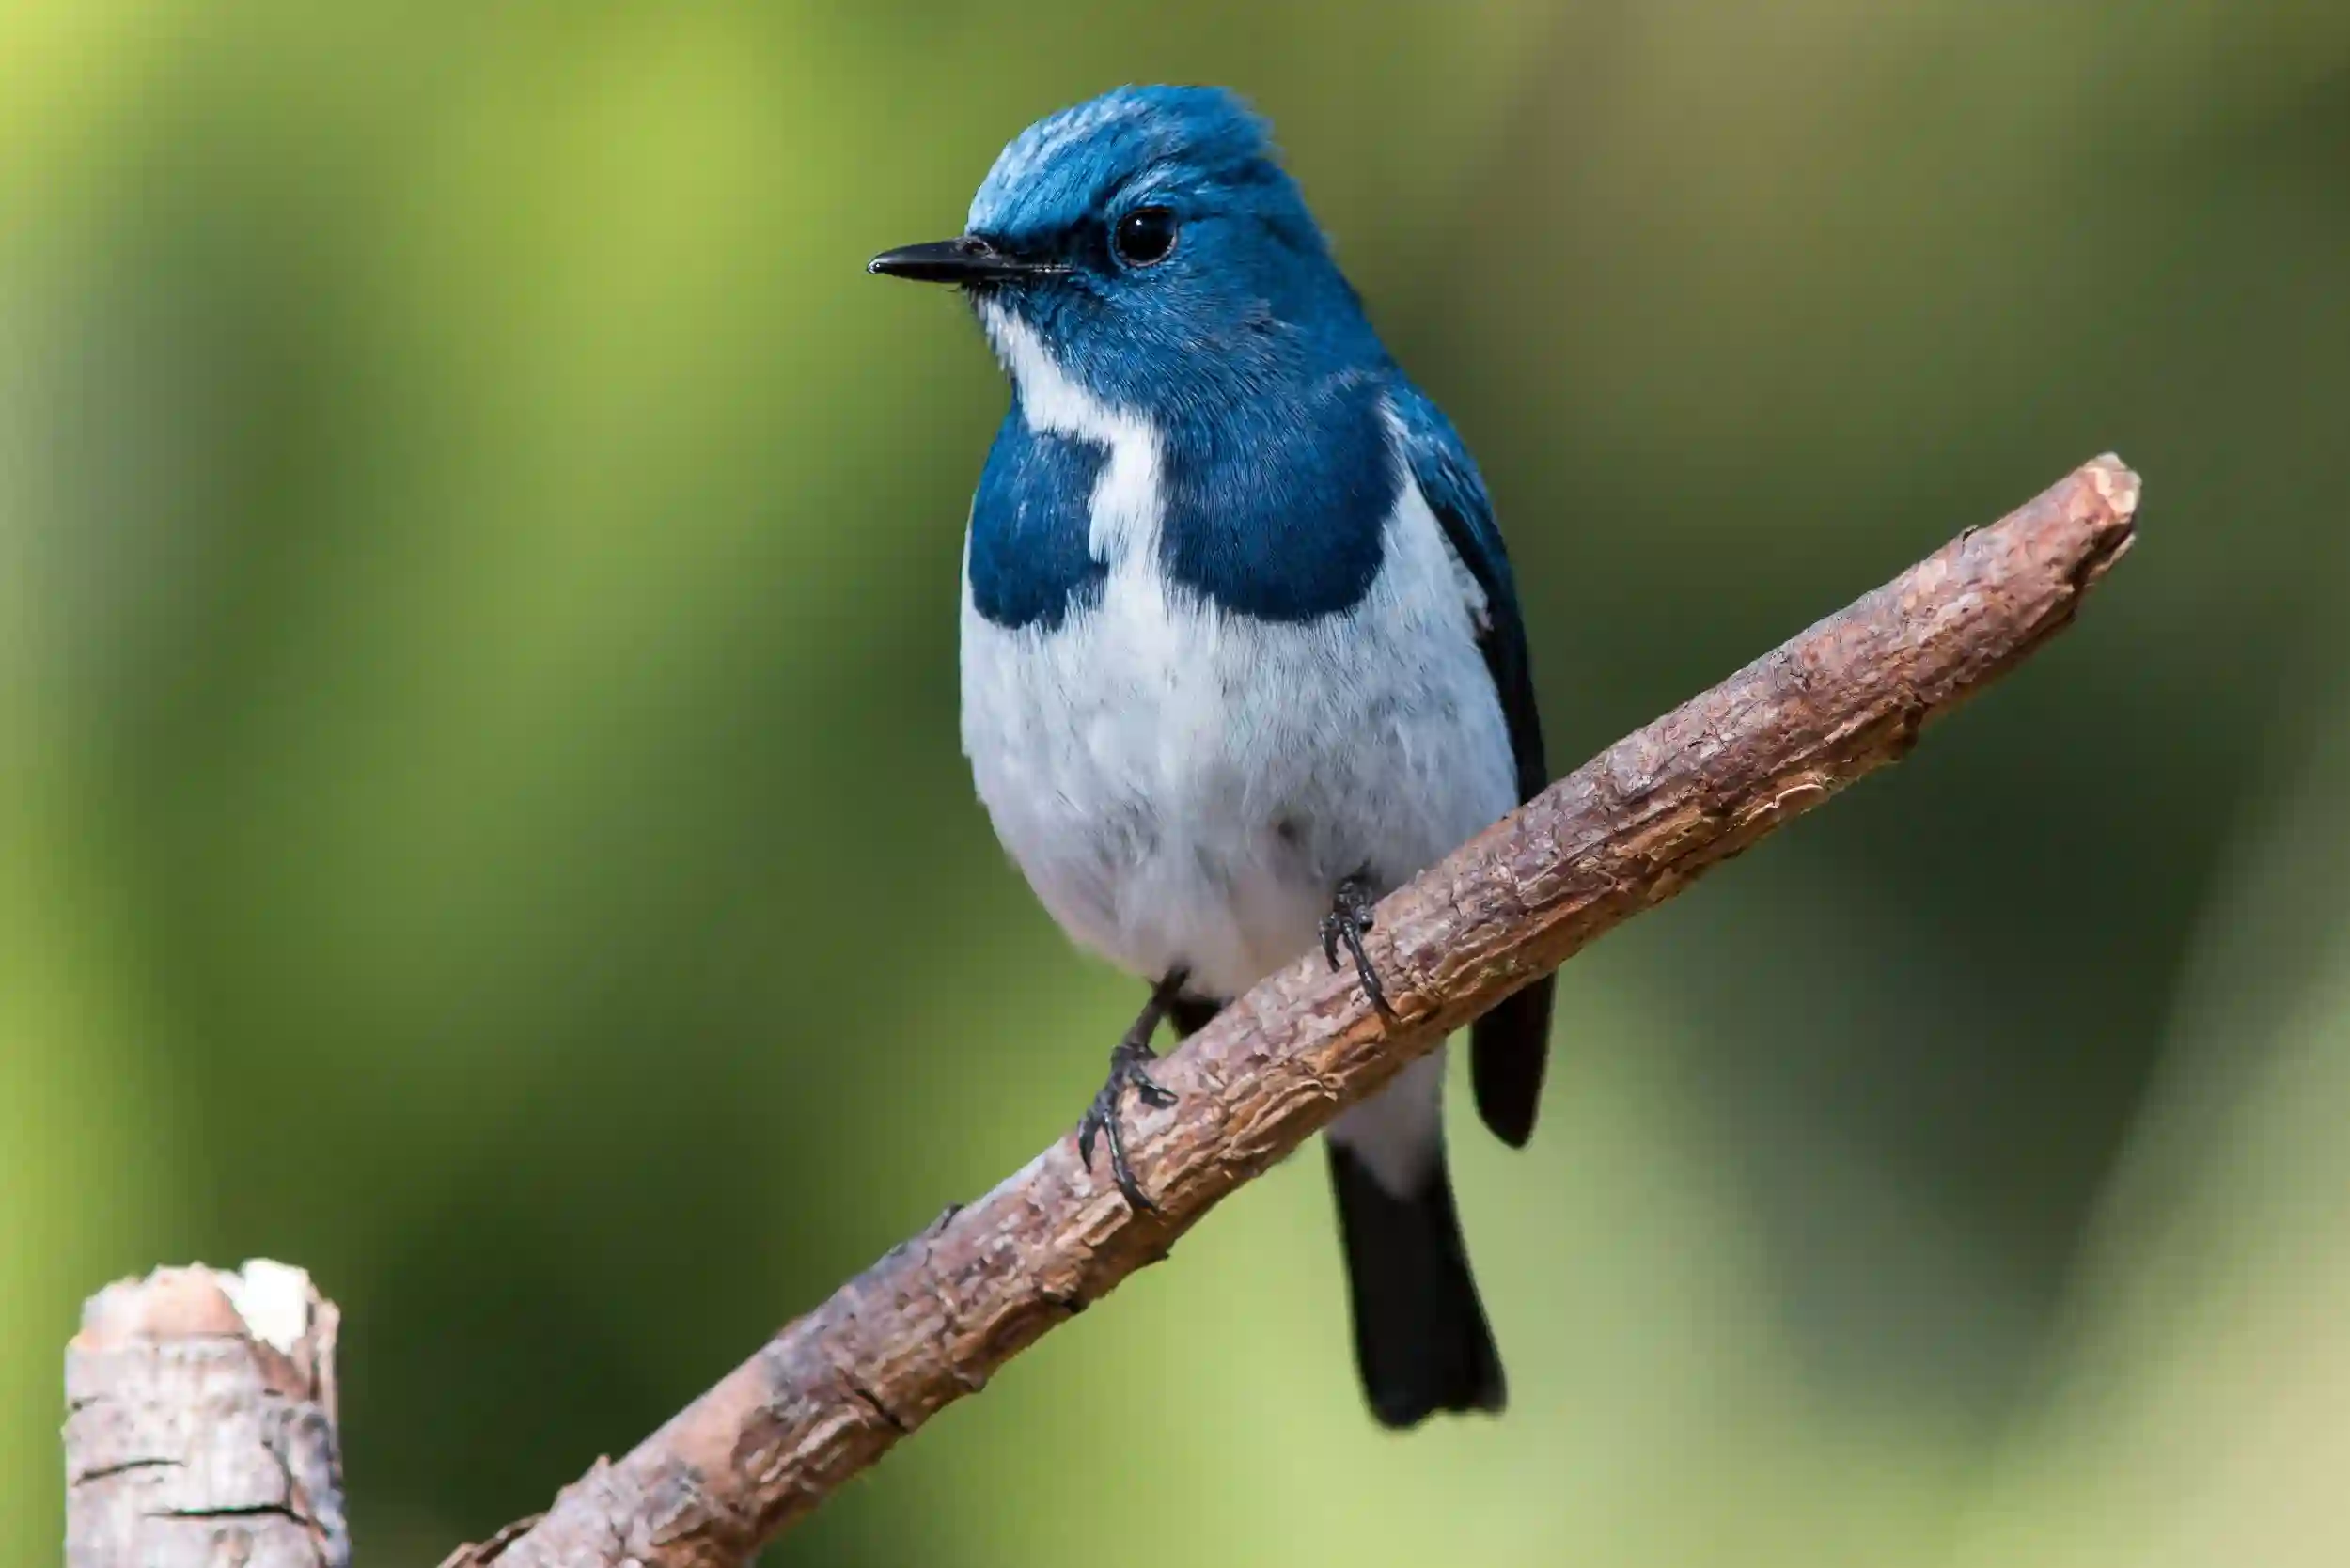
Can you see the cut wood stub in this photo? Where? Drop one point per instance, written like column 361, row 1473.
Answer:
column 200, row 1423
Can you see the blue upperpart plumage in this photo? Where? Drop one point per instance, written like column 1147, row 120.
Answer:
column 1243, row 345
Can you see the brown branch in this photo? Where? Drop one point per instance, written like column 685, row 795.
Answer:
column 934, row 1319
column 200, row 1424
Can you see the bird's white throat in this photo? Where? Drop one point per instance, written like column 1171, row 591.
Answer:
column 1127, row 505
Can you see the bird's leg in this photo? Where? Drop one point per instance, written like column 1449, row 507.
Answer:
column 1349, row 917
column 1130, row 1060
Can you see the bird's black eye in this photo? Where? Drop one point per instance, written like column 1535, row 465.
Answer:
column 1145, row 235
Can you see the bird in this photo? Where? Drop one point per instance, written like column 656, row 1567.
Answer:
column 1241, row 651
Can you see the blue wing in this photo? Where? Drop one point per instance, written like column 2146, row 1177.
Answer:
column 1508, row 1045
column 1448, row 477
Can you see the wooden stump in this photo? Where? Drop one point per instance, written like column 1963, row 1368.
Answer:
column 200, row 1424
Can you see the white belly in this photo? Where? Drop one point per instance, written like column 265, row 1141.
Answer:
column 1184, row 787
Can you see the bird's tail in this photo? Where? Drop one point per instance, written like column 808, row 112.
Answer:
column 1420, row 1340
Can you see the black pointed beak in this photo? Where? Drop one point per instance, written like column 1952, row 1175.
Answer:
column 966, row 260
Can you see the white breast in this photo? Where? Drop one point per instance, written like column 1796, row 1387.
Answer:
column 1183, row 787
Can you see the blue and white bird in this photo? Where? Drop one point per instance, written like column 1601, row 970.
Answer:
column 1239, row 651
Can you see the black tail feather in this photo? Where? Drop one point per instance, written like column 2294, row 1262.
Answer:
column 1507, row 1049
column 1421, row 1342
column 1188, row 1015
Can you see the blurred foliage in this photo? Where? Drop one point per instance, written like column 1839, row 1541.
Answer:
column 480, row 813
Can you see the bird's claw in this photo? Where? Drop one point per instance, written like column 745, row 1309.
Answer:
column 1350, row 917
column 1130, row 1060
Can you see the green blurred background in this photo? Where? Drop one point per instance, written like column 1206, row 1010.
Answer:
column 480, row 813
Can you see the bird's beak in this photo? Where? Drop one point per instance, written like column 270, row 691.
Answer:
column 967, row 260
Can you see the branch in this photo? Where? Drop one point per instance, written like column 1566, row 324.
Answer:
column 935, row 1317
column 200, row 1424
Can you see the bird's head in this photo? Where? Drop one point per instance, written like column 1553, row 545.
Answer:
column 1151, row 244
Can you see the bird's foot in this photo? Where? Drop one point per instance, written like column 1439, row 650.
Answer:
column 1350, row 917
column 1130, row 1067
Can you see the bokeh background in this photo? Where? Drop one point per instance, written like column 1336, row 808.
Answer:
column 480, row 813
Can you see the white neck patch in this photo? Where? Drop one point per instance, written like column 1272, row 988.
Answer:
column 1127, row 504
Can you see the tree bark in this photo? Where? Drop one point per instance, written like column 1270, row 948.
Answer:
column 200, row 1424
column 935, row 1317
